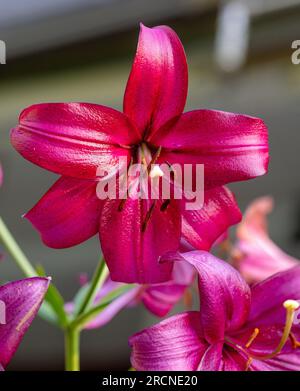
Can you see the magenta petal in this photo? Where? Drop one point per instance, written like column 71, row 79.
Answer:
column 22, row 301
column 232, row 147
column 201, row 228
column 160, row 299
column 224, row 295
column 133, row 255
column 269, row 295
column 174, row 344
column 157, row 86
column 283, row 362
column 68, row 213
column 233, row 361
column 73, row 139
column 255, row 255
column 212, row 358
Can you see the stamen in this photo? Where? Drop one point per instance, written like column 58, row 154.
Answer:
column 121, row 204
column 295, row 343
column 252, row 337
column 249, row 362
column 148, row 216
column 291, row 306
column 155, row 157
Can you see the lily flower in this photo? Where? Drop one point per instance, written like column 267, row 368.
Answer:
column 238, row 328
column 19, row 304
column 159, row 299
column 75, row 139
column 254, row 254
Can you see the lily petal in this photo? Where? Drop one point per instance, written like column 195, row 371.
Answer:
column 201, row 228
column 22, row 301
column 73, row 139
column 68, row 213
column 174, row 344
column 224, row 295
column 131, row 254
column 157, row 86
column 161, row 298
column 269, row 295
column 283, row 362
column 255, row 255
column 212, row 358
column 232, row 147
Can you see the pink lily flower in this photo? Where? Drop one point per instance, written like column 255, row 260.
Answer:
column 159, row 299
column 255, row 255
column 75, row 139
column 238, row 328
column 19, row 304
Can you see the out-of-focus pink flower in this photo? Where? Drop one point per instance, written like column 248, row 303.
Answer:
column 158, row 298
column 75, row 139
column 237, row 328
column 19, row 304
column 255, row 255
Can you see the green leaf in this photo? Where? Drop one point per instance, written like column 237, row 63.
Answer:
column 56, row 301
column 46, row 312
column 80, row 296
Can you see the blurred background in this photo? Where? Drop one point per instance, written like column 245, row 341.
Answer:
column 239, row 54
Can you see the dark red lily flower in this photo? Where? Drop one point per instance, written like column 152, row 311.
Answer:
column 236, row 329
column 74, row 139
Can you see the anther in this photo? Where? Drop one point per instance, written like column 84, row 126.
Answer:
column 252, row 337
column 121, row 204
column 165, row 205
column 155, row 157
column 147, row 217
column 295, row 343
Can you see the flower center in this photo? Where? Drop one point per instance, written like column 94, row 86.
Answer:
column 290, row 306
column 146, row 156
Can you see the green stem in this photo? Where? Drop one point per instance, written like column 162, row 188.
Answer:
column 98, row 279
column 15, row 251
column 72, row 349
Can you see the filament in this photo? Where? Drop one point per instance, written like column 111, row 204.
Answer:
column 291, row 306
